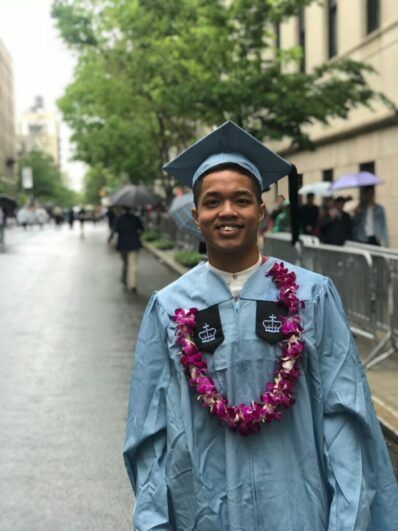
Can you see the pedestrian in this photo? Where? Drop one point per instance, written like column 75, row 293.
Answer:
column 111, row 215
column 2, row 227
column 369, row 222
column 279, row 207
column 128, row 227
column 82, row 217
column 335, row 225
column 204, row 450
column 309, row 216
column 283, row 219
column 71, row 217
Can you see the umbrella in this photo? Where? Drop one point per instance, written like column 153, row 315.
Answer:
column 356, row 180
column 133, row 196
column 322, row 188
column 8, row 204
column 181, row 213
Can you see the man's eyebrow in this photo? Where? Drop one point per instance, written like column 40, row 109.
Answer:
column 237, row 192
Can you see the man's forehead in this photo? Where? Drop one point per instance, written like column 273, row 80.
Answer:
column 228, row 180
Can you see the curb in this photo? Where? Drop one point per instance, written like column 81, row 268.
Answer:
column 165, row 258
column 387, row 417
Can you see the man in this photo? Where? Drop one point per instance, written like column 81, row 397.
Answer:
column 335, row 225
column 128, row 227
column 309, row 216
column 2, row 227
column 369, row 223
column 204, row 448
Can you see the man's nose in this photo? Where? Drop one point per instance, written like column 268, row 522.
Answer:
column 227, row 209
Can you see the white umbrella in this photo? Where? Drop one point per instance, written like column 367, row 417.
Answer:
column 322, row 188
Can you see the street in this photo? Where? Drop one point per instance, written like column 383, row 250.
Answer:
column 67, row 332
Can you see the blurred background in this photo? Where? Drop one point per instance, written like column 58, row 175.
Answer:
column 95, row 96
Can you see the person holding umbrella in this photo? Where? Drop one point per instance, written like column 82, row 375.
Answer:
column 249, row 409
column 369, row 222
column 128, row 227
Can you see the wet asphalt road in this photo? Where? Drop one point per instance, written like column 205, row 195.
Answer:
column 67, row 333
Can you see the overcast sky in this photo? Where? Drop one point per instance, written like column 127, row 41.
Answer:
column 42, row 65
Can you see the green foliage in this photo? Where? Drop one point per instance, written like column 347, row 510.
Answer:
column 164, row 244
column 150, row 235
column 47, row 179
column 188, row 258
column 152, row 73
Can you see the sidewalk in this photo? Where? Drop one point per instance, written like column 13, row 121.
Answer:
column 383, row 379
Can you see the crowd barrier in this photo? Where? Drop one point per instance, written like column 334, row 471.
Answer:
column 366, row 278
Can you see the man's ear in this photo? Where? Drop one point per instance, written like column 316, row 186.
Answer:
column 261, row 209
column 195, row 215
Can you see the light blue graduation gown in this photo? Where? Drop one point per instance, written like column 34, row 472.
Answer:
column 324, row 466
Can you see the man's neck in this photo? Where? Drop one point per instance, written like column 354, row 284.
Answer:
column 231, row 263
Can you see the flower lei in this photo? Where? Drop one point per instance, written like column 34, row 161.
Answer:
column 278, row 394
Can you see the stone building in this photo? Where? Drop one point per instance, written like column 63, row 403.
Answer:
column 39, row 129
column 365, row 30
column 8, row 173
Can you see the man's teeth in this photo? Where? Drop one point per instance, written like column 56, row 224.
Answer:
column 229, row 227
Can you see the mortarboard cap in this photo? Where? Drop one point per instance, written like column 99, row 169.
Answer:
column 231, row 144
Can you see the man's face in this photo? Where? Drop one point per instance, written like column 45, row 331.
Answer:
column 228, row 212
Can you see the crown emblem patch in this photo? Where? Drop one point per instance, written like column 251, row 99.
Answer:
column 269, row 320
column 208, row 333
column 272, row 325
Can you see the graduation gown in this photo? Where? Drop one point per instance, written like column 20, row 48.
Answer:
column 324, row 466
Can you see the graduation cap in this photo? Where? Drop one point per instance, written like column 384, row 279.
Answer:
column 230, row 144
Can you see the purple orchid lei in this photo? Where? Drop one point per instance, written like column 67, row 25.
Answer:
column 278, row 394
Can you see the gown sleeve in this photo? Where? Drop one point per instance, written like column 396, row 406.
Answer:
column 364, row 493
column 145, row 445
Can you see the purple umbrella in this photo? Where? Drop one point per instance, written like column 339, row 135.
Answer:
column 356, row 180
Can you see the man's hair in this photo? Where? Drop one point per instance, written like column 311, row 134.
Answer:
column 197, row 188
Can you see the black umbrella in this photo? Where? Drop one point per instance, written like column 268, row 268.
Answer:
column 8, row 204
column 134, row 196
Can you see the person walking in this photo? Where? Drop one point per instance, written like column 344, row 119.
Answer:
column 369, row 222
column 210, row 445
column 335, row 225
column 309, row 216
column 128, row 227
column 2, row 228
column 71, row 217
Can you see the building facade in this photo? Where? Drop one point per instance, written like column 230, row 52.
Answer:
column 39, row 129
column 364, row 30
column 8, row 173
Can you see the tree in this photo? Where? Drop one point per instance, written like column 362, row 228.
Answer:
column 152, row 73
column 47, row 179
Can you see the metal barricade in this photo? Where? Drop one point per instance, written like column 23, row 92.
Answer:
column 351, row 272
column 391, row 337
column 381, row 278
column 279, row 245
column 394, row 301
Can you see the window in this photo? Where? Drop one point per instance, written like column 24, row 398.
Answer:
column 367, row 166
column 327, row 175
column 372, row 15
column 332, row 28
column 301, row 38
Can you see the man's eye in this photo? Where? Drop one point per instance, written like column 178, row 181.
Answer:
column 211, row 203
column 243, row 201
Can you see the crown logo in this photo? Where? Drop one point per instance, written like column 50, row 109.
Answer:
column 207, row 334
column 272, row 325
